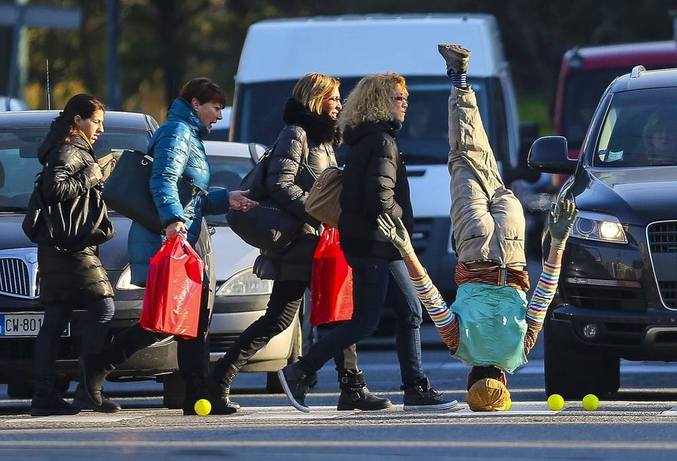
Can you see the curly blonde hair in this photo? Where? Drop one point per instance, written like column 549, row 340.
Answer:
column 312, row 88
column 371, row 99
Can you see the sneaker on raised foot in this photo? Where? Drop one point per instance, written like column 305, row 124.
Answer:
column 424, row 397
column 295, row 384
column 456, row 57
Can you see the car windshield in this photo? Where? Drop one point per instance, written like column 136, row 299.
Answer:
column 639, row 130
column 19, row 163
column 423, row 138
column 226, row 172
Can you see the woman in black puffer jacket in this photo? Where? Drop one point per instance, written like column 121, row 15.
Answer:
column 309, row 137
column 70, row 279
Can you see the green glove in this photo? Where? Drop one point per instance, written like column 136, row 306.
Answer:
column 560, row 226
column 396, row 233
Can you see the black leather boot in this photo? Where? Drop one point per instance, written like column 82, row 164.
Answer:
column 89, row 394
column 355, row 395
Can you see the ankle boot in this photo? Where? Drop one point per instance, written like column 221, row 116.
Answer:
column 218, row 386
column 93, row 372
column 456, row 58
column 355, row 395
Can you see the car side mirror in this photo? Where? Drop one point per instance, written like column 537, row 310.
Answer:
column 549, row 155
column 256, row 151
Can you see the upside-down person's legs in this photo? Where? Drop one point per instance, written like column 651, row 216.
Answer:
column 487, row 219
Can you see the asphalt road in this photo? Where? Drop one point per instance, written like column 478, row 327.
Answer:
column 638, row 424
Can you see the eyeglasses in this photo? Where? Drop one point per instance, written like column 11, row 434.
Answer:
column 401, row 99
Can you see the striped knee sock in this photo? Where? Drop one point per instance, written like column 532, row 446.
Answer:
column 458, row 80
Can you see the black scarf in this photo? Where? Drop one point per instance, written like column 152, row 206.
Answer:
column 320, row 128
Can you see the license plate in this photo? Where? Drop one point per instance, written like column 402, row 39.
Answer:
column 24, row 325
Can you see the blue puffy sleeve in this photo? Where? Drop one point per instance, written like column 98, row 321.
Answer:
column 170, row 156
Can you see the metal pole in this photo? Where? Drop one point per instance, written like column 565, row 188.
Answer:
column 14, row 57
column 113, row 99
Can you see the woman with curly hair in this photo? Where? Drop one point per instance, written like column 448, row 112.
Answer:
column 374, row 183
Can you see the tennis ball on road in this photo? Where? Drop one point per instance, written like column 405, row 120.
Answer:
column 203, row 407
column 555, row 402
column 508, row 405
column 590, row 402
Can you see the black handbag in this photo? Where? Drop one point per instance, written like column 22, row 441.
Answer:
column 127, row 190
column 71, row 225
column 267, row 226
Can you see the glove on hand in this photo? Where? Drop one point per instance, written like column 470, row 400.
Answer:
column 396, row 233
column 560, row 226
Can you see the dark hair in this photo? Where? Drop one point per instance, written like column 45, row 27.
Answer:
column 481, row 372
column 83, row 105
column 204, row 90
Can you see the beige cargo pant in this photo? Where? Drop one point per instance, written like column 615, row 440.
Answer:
column 487, row 219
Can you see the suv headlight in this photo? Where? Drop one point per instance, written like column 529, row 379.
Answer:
column 598, row 227
column 245, row 283
column 125, row 281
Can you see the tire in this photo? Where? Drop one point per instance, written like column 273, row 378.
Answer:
column 273, row 385
column 173, row 390
column 572, row 371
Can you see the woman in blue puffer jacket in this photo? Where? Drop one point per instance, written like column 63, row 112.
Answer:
column 179, row 186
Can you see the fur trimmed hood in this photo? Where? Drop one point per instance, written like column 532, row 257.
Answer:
column 319, row 128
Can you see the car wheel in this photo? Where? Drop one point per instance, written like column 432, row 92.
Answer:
column 173, row 390
column 573, row 372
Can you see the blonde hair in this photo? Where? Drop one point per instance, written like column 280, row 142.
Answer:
column 371, row 99
column 312, row 88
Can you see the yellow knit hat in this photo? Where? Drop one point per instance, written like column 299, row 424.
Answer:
column 488, row 395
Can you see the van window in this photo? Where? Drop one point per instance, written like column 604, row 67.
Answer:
column 582, row 91
column 499, row 135
column 423, row 138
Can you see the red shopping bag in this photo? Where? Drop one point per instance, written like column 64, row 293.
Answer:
column 171, row 303
column 331, row 286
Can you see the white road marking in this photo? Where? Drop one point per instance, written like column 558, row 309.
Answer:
column 79, row 418
column 670, row 412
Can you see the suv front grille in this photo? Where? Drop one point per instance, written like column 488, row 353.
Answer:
column 662, row 239
column 14, row 278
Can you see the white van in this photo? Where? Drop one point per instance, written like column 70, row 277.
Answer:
column 276, row 53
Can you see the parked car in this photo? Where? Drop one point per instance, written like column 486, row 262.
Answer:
column 617, row 295
column 221, row 129
column 20, row 312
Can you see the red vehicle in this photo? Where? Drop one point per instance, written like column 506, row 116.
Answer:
column 585, row 74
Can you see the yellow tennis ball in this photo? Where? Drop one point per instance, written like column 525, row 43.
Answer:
column 590, row 402
column 508, row 405
column 203, row 407
column 555, row 402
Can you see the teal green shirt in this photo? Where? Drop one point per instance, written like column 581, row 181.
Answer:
column 492, row 325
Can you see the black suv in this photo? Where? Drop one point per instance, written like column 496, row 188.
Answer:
column 617, row 295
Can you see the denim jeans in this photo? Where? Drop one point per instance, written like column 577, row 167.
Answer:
column 95, row 331
column 375, row 280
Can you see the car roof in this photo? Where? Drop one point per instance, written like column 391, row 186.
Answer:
column 650, row 54
column 662, row 78
column 42, row 118
column 227, row 149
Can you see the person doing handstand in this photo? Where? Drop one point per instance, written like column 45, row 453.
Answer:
column 490, row 326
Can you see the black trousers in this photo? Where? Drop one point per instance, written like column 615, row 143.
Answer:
column 94, row 334
column 283, row 306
